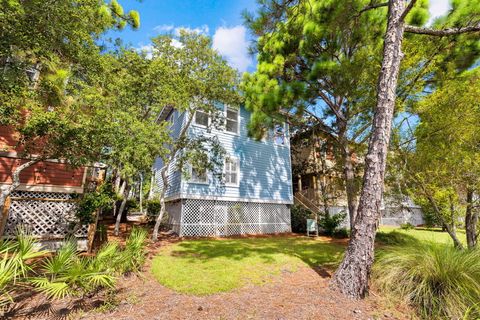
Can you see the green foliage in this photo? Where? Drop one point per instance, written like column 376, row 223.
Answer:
column 17, row 258
column 407, row 226
column 341, row 233
column 153, row 207
column 66, row 272
column 437, row 280
column 329, row 224
column 101, row 198
column 299, row 218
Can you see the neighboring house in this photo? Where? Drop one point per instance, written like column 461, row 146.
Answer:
column 44, row 202
column 317, row 179
column 252, row 196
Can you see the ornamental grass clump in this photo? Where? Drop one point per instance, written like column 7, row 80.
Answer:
column 439, row 281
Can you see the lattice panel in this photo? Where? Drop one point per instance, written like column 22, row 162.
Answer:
column 44, row 214
column 39, row 194
column 208, row 218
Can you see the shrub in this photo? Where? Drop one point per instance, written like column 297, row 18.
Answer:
column 153, row 207
column 299, row 218
column 330, row 223
column 341, row 233
column 407, row 226
column 439, row 281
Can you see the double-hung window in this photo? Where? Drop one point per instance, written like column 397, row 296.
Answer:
column 198, row 176
column 232, row 123
column 201, row 118
column 232, row 171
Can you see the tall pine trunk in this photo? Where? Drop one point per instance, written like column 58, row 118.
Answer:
column 352, row 276
column 350, row 188
column 471, row 221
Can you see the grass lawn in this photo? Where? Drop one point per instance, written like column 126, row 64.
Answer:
column 207, row 266
column 423, row 234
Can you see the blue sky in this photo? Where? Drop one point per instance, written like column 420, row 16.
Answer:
column 220, row 19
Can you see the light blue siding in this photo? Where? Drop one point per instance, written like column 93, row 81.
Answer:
column 265, row 168
column 174, row 176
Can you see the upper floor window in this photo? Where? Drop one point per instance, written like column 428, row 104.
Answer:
column 198, row 176
column 279, row 134
column 201, row 118
column 232, row 171
column 232, row 116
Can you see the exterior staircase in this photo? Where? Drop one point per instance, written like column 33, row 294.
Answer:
column 300, row 199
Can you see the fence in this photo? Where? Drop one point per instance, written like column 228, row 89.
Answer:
column 46, row 215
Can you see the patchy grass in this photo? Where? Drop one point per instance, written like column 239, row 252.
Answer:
column 207, row 266
column 434, row 235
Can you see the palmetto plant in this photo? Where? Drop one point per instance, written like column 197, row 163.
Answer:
column 17, row 260
column 68, row 273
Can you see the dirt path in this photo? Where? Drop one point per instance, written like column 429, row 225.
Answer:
column 300, row 295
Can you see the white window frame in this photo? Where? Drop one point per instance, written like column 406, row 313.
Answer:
column 285, row 136
column 198, row 124
column 229, row 184
column 192, row 181
column 226, row 119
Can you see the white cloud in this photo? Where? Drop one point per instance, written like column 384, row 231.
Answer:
column 148, row 49
column 438, row 8
column 164, row 28
column 233, row 45
column 170, row 28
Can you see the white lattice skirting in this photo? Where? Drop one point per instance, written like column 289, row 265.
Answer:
column 210, row 218
column 45, row 215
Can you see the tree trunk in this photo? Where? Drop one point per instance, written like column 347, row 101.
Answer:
column 141, row 194
column 348, row 173
column 158, row 221
column 352, row 276
column 351, row 192
column 122, row 208
column 6, row 190
column 471, row 221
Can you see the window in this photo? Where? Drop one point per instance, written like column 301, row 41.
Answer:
column 201, row 118
column 232, row 170
column 279, row 134
column 198, row 176
column 171, row 117
column 231, row 124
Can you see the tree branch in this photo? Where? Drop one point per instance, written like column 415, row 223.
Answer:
column 407, row 9
column 373, row 6
column 442, row 32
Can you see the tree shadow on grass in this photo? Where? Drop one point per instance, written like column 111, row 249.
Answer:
column 312, row 252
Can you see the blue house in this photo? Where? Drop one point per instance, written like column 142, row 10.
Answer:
column 252, row 196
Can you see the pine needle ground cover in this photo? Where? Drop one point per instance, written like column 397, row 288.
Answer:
column 208, row 266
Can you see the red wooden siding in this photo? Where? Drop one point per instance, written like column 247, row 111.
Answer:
column 42, row 173
column 48, row 173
